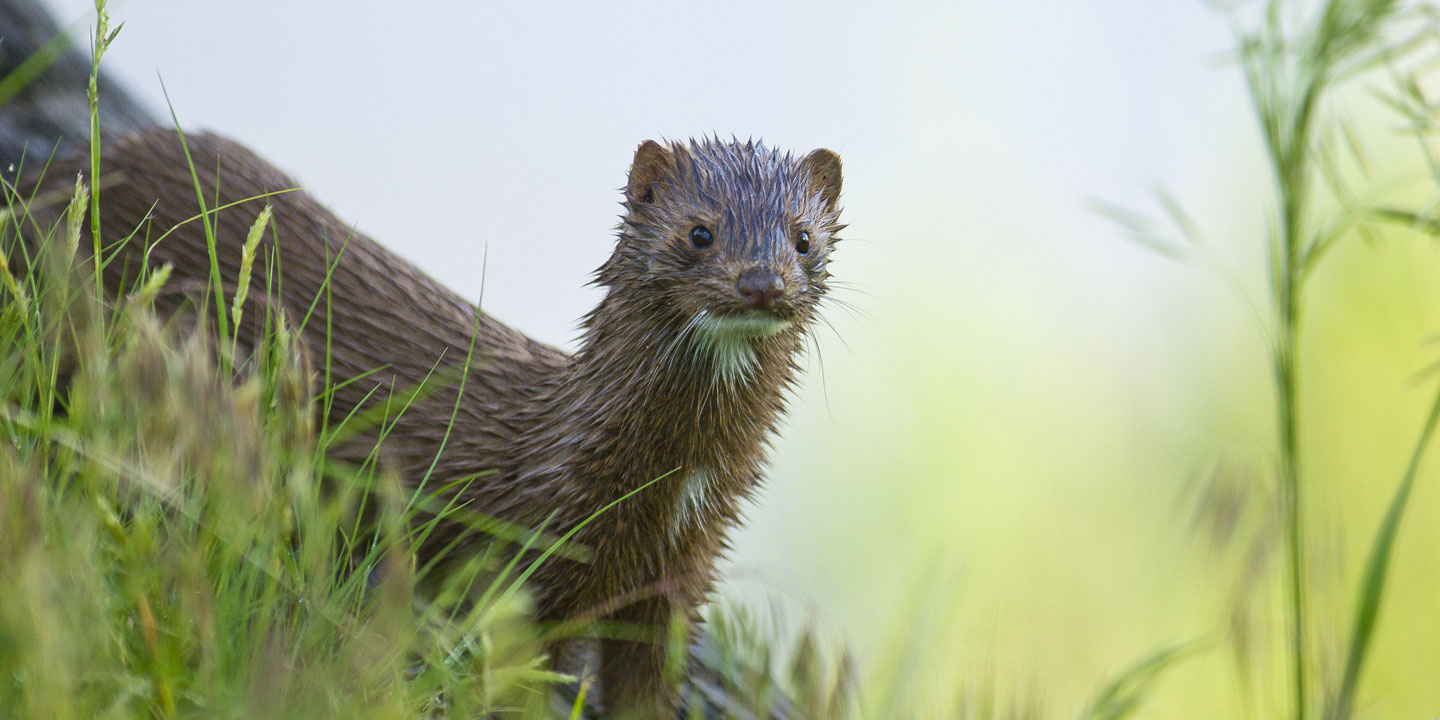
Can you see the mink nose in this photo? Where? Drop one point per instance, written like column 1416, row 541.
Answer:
column 760, row 289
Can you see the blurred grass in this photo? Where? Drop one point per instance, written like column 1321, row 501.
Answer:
column 1077, row 492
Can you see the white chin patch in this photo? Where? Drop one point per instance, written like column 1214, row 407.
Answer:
column 728, row 339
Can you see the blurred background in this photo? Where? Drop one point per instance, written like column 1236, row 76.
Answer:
column 1035, row 453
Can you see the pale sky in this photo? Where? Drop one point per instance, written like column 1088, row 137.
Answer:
column 451, row 129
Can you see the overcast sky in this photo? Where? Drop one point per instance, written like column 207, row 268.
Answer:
column 451, row 129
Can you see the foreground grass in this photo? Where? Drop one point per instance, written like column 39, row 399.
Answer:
column 166, row 547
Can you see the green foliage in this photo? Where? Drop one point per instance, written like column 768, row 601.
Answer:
column 166, row 545
column 1122, row 696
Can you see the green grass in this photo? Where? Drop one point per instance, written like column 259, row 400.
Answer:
column 171, row 547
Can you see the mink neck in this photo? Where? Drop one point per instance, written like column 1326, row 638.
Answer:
column 646, row 399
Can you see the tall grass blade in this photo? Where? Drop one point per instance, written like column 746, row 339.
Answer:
column 1377, row 565
column 103, row 37
column 1123, row 695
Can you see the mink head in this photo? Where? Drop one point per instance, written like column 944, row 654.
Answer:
column 729, row 240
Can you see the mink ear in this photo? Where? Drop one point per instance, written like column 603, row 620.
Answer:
column 651, row 160
column 823, row 166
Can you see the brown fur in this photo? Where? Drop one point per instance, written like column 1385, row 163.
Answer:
column 563, row 436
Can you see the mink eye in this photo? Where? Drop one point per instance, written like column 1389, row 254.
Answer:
column 802, row 242
column 700, row 236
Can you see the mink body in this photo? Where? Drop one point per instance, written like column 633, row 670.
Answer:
column 682, row 374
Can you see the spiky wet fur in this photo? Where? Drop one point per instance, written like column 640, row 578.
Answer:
column 675, row 376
